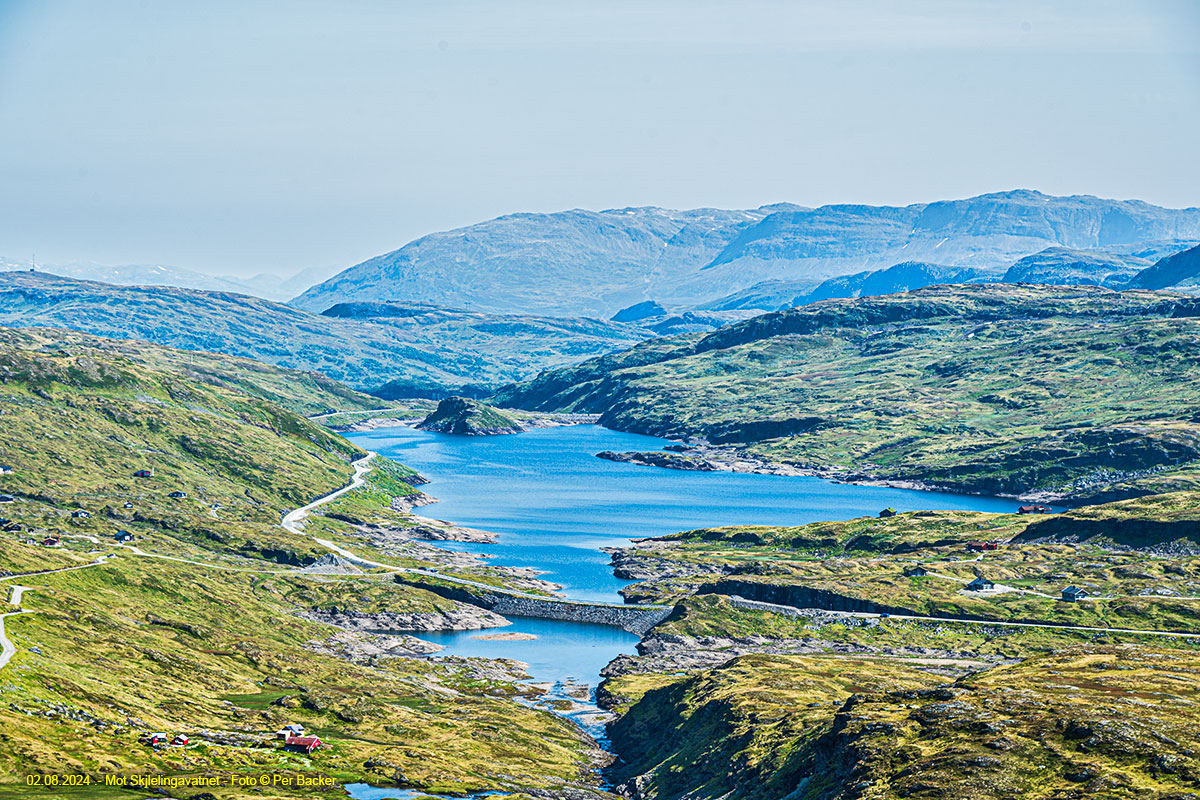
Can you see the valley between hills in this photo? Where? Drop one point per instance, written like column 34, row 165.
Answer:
column 188, row 545
column 833, row 659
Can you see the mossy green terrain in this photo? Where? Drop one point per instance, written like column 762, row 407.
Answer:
column 134, row 645
column 1075, row 392
column 815, row 697
column 1117, row 722
column 204, row 623
column 861, row 565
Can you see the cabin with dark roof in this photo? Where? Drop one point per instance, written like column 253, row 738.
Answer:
column 1034, row 509
column 980, row 584
column 123, row 536
column 288, row 731
column 979, row 547
column 5, row 469
column 80, row 514
column 1073, row 594
column 916, row 572
column 177, row 494
column 142, row 473
column 887, row 512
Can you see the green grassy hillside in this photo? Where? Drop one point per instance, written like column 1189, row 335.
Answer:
column 202, row 624
column 1072, row 392
column 861, row 564
column 81, row 416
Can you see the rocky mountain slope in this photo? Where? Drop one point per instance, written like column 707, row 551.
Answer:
column 430, row 349
column 1179, row 271
column 596, row 263
column 852, row 659
column 990, row 388
column 780, row 295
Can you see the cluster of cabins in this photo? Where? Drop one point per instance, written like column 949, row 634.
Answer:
column 54, row 539
column 1071, row 594
column 293, row 736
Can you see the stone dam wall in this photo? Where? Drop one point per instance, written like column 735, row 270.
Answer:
column 635, row 619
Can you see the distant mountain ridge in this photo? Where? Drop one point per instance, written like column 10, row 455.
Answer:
column 597, row 263
column 1065, row 266
column 432, row 350
column 266, row 286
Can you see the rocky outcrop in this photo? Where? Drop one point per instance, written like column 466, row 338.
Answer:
column 664, row 653
column 710, row 458
column 796, row 596
column 668, row 460
column 365, row 648
column 332, row 564
column 462, row 617
column 639, row 311
column 466, row 417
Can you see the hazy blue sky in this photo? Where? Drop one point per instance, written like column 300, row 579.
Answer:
column 272, row 136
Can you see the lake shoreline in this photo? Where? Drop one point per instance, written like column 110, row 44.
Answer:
column 710, row 458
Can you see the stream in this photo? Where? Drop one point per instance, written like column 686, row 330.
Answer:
column 553, row 505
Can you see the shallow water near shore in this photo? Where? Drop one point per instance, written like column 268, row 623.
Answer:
column 554, row 504
column 562, row 651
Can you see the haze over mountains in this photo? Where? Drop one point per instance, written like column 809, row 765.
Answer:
column 267, row 286
column 590, row 263
column 475, row 308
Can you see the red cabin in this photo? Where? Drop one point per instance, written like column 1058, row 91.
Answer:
column 1034, row 509
column 303, row 743
column 142, row 473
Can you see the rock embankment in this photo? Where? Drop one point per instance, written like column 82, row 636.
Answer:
column 796, row 596
column 635, row 619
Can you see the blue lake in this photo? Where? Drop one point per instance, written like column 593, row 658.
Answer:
column 554, row 504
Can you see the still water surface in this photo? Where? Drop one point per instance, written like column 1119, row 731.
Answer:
column 554, row 504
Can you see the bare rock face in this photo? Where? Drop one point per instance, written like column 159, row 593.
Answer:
column 363, row 648
column 332, row 564
column 461, row 617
